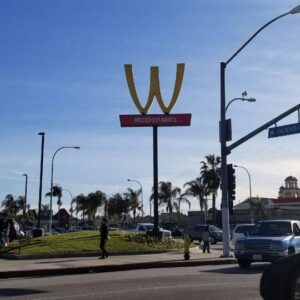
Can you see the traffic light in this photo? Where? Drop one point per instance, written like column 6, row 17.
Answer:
column 231, row 187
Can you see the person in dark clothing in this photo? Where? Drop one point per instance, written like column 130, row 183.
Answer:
column 103, row 238
column 206, row 239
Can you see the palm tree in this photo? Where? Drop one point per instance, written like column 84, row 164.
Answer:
column 177, row 205
column 21, row 204
column 166, row 195
column 10, row 206
column 133, row 198
column 45, row 210
column 81, row 205
column 56, row 192
column 258, row 207
column 95, row 200
column 196, row 188
column 118, row 206
column 211, row 179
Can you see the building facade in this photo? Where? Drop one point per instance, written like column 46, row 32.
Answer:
column 286, row 206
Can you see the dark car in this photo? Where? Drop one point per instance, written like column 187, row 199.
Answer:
column 173, row 227
column 215, row 233
column 281, row 280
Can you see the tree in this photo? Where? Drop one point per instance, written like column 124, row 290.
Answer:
column 117, row 206
column 196, row 188
column 45, row 210
column 258, row 208
column 166, row 196
column 94, row 201
column 211, row 179
column 81, row 205
column 177, row 205
column 133, row 199
column 56, row 192
column 23, row 206
column 10, row 206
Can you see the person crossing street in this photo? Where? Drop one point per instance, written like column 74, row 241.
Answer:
column 103, row 238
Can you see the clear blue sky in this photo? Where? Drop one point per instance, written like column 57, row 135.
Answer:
column 62, row 72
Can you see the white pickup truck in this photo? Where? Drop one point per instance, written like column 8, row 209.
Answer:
column 144, row 227
column 268, row 241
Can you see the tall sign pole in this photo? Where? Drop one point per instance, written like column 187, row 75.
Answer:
column 155, row 180
column 155, row 120
column 41, row 178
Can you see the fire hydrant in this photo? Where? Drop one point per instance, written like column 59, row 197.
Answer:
column 187, row 243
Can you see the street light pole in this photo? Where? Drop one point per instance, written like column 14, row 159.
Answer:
column 244, row 94
column 224, row 133
column 141, row 195
column 250, row 191
column 71, row 205
column 25, row 198
column 51, row 187
column 41, row 178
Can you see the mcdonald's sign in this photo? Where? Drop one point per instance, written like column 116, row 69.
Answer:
column 165, row 119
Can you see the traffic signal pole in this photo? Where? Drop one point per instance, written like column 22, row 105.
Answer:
column 261, row 128
column 231, row 187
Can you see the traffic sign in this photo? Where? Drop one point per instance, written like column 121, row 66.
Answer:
column 284, row 130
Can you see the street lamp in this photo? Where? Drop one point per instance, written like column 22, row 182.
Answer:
column 141, row 195
column 244, row 94
column 51, row 187
column 42, row 134
column 25, row 198
column 250, row 191
column 224, row 134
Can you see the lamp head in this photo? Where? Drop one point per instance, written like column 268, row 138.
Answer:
column 251, row 100
column 41, row 133
column 24, row 175
column 76, row 147
column 128, row 179
column 295, row 10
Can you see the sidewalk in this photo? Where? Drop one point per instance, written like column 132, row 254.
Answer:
column 80, row 265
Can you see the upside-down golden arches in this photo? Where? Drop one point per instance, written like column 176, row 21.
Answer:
column 154, row 90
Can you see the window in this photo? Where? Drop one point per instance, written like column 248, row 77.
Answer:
column 273, row 229
column 296, row 229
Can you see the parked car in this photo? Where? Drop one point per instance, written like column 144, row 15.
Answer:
column 173, row 227
column 113, row 227
column 144, row 227
column 241, row 231
column 215, row 233
column 269, row 241
column 281, row 280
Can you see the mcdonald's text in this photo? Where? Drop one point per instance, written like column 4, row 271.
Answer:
column 155, row 120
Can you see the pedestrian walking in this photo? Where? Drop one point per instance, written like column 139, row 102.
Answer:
column 206, row 239
column 103, row 238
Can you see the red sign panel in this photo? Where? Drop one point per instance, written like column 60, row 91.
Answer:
column 155, row 120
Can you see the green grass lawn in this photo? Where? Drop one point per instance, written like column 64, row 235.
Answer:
column 88, row 241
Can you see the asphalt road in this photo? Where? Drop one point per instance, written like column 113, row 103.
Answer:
column 209, row 283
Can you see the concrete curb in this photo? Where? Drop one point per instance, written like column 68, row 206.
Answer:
column 114, row 268
column 81, row 254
